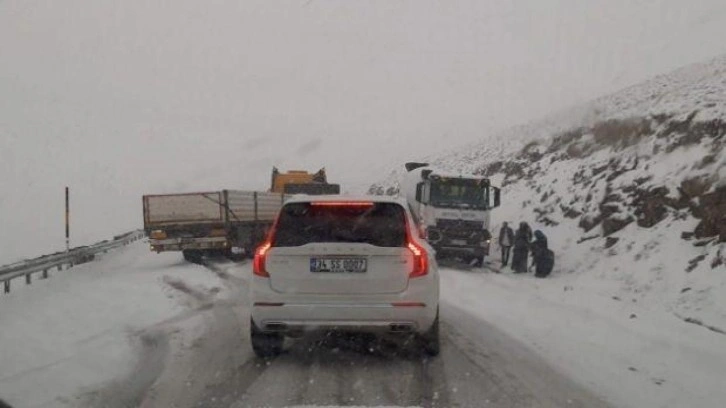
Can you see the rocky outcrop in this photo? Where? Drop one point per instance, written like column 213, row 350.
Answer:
column 710, row 209
column 626, row 199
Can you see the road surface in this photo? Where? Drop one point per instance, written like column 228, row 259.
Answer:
column 478, row 365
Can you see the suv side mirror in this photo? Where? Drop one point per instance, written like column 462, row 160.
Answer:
column 496, row 197
column 419, row 192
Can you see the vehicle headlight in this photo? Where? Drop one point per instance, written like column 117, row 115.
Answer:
column 158, row 234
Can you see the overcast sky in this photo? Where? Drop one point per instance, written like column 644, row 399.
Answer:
column 120, row 98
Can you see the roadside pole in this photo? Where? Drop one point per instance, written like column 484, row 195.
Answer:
column 68, row 236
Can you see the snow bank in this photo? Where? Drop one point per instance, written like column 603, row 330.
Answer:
column 600, row 334
column 80, row 328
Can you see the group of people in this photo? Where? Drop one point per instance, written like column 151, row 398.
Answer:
column 524, row 241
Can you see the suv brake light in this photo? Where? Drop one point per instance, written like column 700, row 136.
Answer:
column 420, row 255
column 342, row 204
column 258, row 265
column 420, row 259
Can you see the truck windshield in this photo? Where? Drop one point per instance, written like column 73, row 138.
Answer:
column 459, row 193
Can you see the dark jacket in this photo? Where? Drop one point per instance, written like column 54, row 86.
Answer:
column 539, row 245
column 506, row 231
column 544, row 258
column 527, row 230
column 520, row 242
column 521, row 238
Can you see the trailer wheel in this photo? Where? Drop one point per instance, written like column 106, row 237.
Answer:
column 239, row 257
column 192, row 255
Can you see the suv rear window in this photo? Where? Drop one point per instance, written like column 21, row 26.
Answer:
column 379, row 224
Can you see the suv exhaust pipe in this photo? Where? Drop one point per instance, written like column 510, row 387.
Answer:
column 401, row 328
column 276, row 327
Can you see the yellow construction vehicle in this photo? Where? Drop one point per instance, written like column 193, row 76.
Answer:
column 302, row 182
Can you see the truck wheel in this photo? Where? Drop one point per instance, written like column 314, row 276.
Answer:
column 479, row 261
column 192, row 255
column 265, row 345
column 234, row 257
column 429, row 341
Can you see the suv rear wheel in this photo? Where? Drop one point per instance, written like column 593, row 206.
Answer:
column 265, row 344
column 429, row 340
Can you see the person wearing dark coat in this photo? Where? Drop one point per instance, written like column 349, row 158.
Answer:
column 542, row 256
column 527, row 231
column 506, row 240
column 521, row 249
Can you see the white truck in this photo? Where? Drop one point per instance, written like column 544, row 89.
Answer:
column 229, row 221
column 453, row 209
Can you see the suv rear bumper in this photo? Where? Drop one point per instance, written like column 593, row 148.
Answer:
column 364, row 317
column 411, row 311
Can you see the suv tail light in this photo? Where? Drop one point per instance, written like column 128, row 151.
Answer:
column 420, row 259
column 258, row 265
column 420, row 255
column 342, row 204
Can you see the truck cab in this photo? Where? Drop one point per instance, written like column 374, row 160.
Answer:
column 454, row 210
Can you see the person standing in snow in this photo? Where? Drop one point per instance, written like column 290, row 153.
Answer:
column 520, row 257
column 543, row 258
column 506, row 240
column 527, row 231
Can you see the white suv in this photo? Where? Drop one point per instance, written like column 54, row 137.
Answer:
column 332, row 262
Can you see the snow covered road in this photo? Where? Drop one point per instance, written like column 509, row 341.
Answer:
column 139, row 329
column 212, row 365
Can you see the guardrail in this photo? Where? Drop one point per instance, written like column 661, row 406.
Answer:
column 62, row 260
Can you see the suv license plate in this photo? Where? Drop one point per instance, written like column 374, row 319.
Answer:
column 338, row 265
column 461, row 242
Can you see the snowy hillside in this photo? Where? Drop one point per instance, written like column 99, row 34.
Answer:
column 630, row 189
